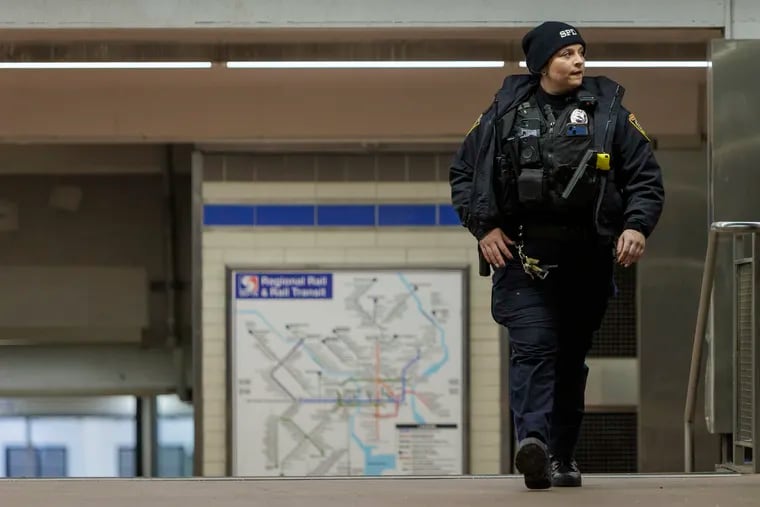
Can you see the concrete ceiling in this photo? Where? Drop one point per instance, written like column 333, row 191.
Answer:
column 302, row 35
column 290, row 44
column 221, row 103
column 219, row 45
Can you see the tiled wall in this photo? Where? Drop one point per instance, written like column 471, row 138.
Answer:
column 403, row 218
column 328, row 167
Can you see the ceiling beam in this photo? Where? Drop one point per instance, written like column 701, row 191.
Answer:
column 386, row 50
column 205, row 14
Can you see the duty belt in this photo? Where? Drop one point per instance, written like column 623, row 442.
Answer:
column 534, row 267
column 555, row 232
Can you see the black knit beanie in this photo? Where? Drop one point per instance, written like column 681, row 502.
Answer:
column 546, row 39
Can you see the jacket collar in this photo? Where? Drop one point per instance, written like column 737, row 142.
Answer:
column 516, row 87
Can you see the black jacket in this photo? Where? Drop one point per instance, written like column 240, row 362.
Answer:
column 631, row 197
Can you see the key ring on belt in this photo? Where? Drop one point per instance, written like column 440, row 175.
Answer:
column 530, row 265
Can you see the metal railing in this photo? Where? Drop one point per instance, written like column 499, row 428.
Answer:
column 708, row 275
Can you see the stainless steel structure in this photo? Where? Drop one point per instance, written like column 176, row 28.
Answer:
column 668, row 282
column 727, row 321
column 746, row 413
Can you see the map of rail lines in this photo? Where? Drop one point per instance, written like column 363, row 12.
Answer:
column 347, row 373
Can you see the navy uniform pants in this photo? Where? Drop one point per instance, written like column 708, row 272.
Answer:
column 551, row 323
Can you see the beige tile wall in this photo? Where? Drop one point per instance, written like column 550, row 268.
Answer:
column 286, row 246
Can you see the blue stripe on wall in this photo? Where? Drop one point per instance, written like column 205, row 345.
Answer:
column 447, row 215
column 330, row 215
column 228, row 214
column 406, row 214
column 346, row 215
column 284, row 214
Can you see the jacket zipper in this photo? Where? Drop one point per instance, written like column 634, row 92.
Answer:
column 603, row 186
column 550, row 154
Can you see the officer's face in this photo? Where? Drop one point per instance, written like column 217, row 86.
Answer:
column 566, row 68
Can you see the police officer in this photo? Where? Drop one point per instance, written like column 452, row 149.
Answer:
column 557, row 181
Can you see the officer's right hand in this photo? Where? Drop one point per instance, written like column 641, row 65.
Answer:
column 495, row 249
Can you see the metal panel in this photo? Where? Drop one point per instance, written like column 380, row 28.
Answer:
column 743, row 18
column 733, row 108
column 617, row 335
column 607, row 443
column 196, row 198
column 93, row 303
column 208, row 14
column 744, row 360
column 669, row 278
column 87, row 370
column 756, row 353
column 612, row 382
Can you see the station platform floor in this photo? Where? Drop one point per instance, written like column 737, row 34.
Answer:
column 698, row 490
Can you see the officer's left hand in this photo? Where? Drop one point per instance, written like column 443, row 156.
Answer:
column 630, row 247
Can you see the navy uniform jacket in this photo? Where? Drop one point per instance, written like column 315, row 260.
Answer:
column 631, row 196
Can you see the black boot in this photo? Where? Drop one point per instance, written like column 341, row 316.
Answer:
column 565, row 473
column 532, row 460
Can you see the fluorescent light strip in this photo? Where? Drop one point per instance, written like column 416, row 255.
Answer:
column 631, row 64
column 409, row 64
column 105, row 65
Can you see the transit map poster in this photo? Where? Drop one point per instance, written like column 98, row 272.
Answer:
column 348, row 372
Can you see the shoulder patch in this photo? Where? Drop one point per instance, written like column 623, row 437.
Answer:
column 633, row 121
column 475, row 125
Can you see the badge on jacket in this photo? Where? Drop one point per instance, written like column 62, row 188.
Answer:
column 579, row 117
column 632, row 119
